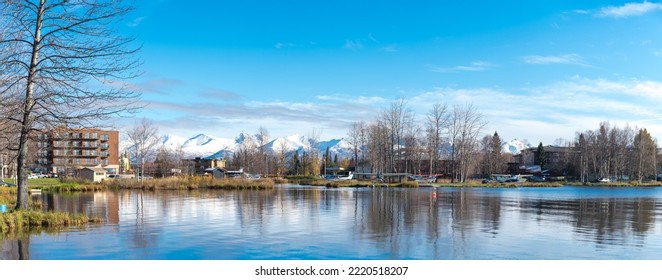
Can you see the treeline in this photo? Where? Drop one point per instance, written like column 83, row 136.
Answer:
column 613, row 152
column 445, row 141
column 450, row 141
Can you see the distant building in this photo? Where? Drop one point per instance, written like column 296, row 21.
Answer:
column 199, row 165
column 556, row 160
column 220, row 173
column 63, row 151
column 94, row 174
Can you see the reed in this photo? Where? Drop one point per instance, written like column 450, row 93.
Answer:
column 307, row 180
column 190, row 183
column 26, row 220
column 281, row 181
column 407, row 184
column 369, row 184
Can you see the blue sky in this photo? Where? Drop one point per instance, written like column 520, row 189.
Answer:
column 536, row 70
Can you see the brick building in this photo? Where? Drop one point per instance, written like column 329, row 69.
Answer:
column 63, row 151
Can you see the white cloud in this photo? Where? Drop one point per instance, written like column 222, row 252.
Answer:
column 368, row 100
column 629, row 9
column 353, row 44
column 545, row 113
column 473, row 67
column 390, row 48
column 572, row 58
column 538, row 113
column 136, row 22
column 280, row 45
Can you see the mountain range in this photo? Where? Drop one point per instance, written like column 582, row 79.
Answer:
column 206, row 146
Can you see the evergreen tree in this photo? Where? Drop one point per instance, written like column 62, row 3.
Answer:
column 496, row 157
column 327, row 156
column 295, row 163
column 540, row 159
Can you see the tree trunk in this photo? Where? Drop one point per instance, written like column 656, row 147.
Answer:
column 26, row 124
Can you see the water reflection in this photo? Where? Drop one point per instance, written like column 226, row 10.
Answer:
column 296, row 222
column 15, row 249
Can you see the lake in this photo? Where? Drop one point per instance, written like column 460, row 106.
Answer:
column 294, row 222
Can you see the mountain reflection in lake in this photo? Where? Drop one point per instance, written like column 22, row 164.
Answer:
column 295, row 222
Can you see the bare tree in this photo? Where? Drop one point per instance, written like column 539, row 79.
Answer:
column 396, row 119
column 464, row 129
column 645, row 155
column 437, row 121
column 378, row 147
column 59, row 61
column 354, row 139
column 283, row 149
column 314, row 152
column 144, row 139
column 263, row 139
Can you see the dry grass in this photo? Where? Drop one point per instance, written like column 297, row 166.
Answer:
column 189, row 183
column 365, row 184
column 27, row 220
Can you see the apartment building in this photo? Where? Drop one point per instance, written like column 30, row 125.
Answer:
column 63, row 151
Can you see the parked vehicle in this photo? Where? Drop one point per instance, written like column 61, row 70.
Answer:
column 604, row 180
column 537, row 179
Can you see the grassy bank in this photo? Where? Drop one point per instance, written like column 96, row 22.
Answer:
column 367, row 184
column 171, row 183
column 190, row 183
column 477, row 184
column 309, row 180
column 14, row 221
column 616, row 184
column 29, row 220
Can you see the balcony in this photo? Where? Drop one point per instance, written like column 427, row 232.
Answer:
column 90, row 155
column 89, row 145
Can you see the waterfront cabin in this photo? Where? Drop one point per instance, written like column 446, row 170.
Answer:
column 94, row 174
column 215, row 172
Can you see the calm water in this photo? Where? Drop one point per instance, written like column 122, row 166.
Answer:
column 295, row 222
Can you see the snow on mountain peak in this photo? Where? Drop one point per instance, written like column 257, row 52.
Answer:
column 198, row 140
column 515, row 146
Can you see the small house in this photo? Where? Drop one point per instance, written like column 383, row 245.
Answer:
column 215, row 172
column 94, row 174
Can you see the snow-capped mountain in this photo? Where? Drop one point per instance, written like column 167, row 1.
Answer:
column 299, row 143
column 207, row 146
column 515, row 146
column 200, row 145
